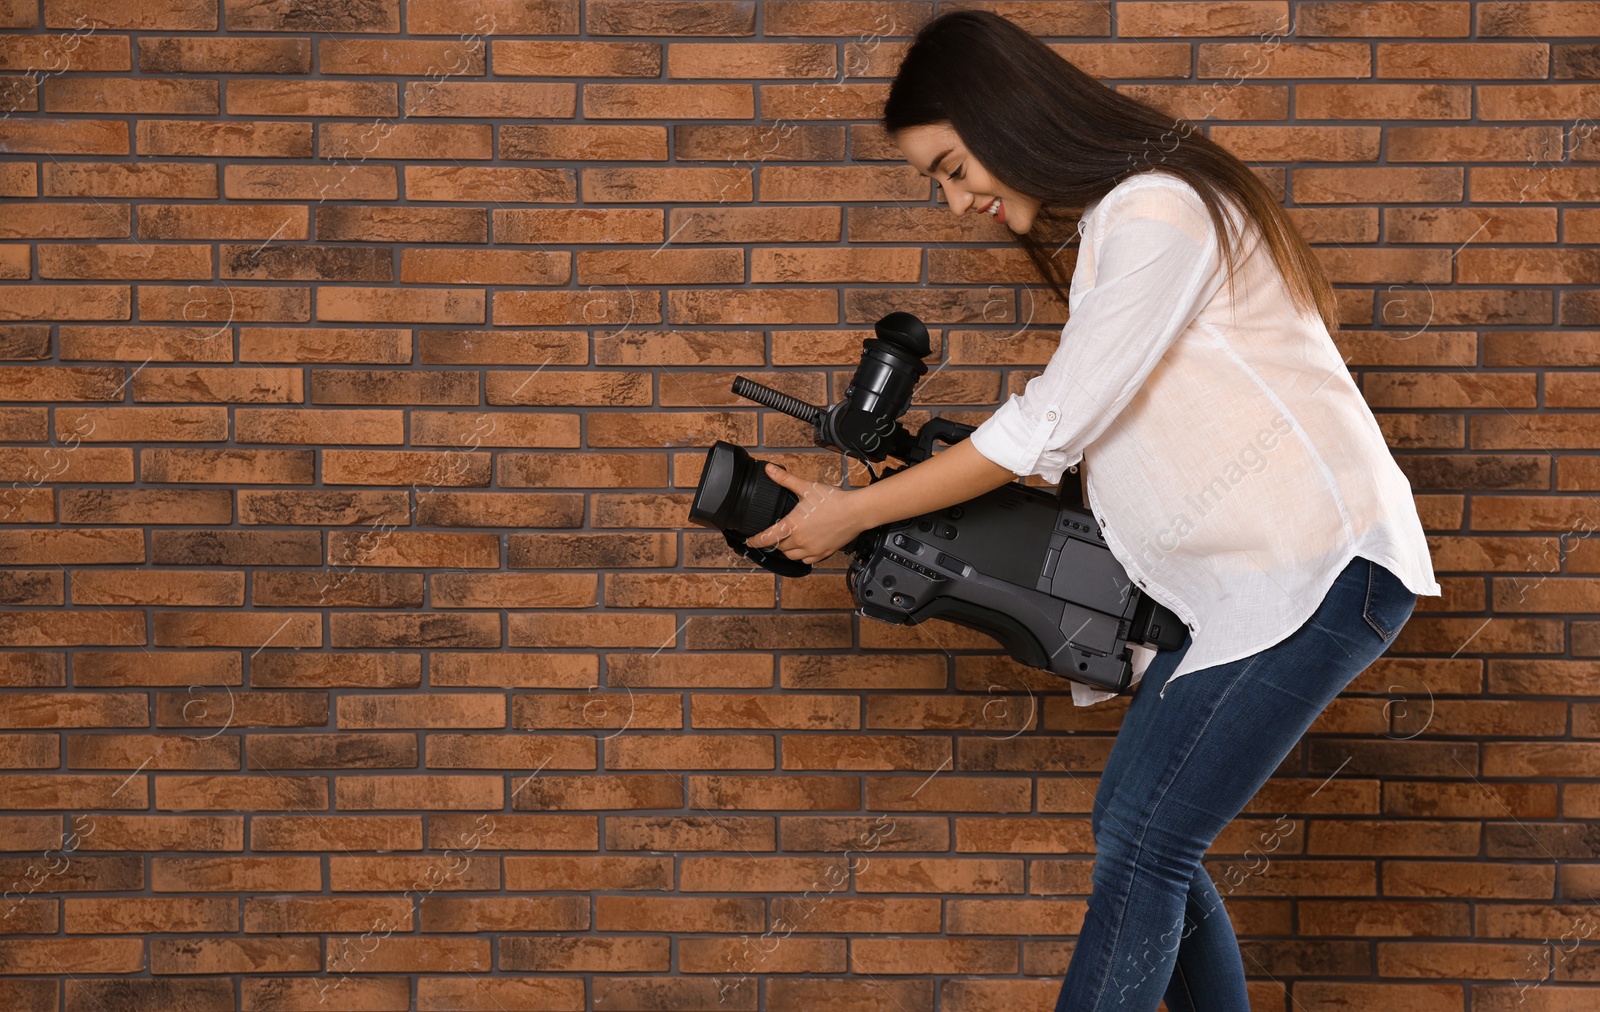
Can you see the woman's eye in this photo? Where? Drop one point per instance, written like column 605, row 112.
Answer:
column 958, row 171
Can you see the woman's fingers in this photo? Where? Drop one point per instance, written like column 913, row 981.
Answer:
column 771, row 536
column 809, row 493
column 778, row 531
column 782, row 477
column 761, row 540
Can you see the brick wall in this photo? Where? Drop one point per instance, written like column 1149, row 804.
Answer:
column 359, row 363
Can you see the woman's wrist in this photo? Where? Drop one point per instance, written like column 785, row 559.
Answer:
column 870, row 499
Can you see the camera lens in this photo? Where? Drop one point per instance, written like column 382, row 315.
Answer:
column 735, row 493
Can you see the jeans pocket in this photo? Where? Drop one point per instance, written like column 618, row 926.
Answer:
column 1389, row 602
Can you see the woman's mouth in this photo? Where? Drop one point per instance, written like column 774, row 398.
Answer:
column 996, row 210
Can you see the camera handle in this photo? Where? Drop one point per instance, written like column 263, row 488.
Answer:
column 1070, row 490
column 944, row 429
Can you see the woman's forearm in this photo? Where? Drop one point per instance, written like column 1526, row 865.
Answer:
column 952, row 475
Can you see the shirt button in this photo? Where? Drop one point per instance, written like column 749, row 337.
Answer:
column 1051, row 415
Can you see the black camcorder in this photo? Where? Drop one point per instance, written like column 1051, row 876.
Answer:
column 1028, row 567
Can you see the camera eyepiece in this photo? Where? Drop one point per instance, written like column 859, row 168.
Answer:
column 880, row 392
column 907, row 331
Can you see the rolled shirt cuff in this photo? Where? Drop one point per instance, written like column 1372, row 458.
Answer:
column 1014, row 441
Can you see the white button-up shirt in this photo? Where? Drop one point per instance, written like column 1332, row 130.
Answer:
column 1230, row 458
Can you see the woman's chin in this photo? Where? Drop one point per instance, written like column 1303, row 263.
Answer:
column 1019, row 218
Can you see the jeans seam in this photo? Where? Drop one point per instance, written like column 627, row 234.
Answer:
column 1122, row 901
column 1177, row 968
column 1366, row 604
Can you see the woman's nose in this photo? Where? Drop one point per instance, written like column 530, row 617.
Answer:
column 958, row 200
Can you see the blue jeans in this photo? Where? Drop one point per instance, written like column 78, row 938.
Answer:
column 1180, row 770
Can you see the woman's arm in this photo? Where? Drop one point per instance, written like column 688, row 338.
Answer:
column 952, row 475
column 827, row 517
column 1156, row 268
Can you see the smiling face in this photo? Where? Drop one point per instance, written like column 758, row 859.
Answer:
column 936, row 151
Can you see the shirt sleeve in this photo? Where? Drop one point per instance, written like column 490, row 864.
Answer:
column 1155, row 267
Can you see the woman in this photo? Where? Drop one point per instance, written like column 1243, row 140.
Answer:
column 1238, row 476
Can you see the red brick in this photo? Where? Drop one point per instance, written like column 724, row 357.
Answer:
column 1438, row 18
column 1237, row 17
column 1463, row 60
column 1383, row 101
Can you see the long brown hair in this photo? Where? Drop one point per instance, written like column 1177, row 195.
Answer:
column 1046, row 129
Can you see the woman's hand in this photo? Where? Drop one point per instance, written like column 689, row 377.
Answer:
column 826, row 519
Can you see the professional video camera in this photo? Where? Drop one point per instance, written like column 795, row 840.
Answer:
column 1025, row 566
